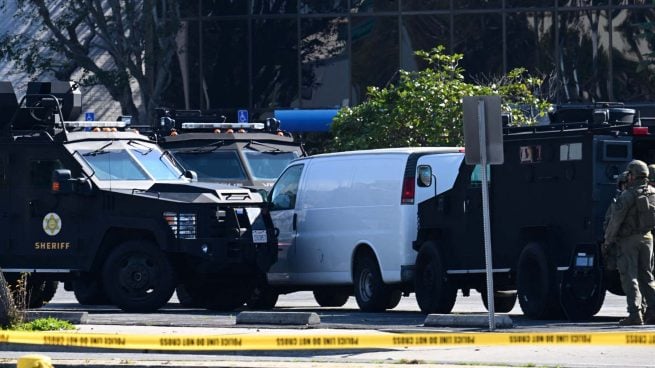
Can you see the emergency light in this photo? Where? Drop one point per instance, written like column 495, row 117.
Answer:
column 95, row 124
column 191, row 125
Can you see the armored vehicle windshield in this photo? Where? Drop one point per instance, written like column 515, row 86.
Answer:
column 240, row 154
column 135, row 162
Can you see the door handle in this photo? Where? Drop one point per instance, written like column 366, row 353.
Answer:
column 293, row 224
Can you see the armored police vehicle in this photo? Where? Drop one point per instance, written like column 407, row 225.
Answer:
column 548, row 201
column 102, row 208
column 239, row 154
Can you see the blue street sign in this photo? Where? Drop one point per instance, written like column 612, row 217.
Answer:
column 90, row 116
column 242, row 116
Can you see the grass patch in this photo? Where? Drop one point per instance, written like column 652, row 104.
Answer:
column 43, row 324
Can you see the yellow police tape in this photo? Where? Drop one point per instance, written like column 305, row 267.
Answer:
column 320, row 341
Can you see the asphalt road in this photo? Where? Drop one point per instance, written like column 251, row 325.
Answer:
column 405, row 317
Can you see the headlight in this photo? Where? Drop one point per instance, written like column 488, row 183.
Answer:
column 182, row 224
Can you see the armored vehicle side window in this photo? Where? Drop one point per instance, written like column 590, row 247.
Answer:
column 268, row 165
column 283, row 196
column 114, row 165
column 213, row 165
column 476, row 176
column 41, row 172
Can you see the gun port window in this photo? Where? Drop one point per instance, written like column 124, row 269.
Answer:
column 41, row 172
column 616, row 151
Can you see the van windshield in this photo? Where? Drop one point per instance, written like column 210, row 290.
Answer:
column 268, row 165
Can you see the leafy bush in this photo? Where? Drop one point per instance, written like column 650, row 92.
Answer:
column 425, row 108
column 44, row 324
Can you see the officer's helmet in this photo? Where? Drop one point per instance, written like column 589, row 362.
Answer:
column 638, row 169
column 651, row 172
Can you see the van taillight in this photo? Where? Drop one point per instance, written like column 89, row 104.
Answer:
column 408, row 191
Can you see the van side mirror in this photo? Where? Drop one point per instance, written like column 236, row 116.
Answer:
column 424, row 176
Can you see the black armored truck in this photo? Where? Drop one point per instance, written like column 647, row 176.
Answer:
column 547, row 205
column 102, row 208
column 239, row 154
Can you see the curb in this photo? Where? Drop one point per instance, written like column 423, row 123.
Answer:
column 454, row 320
column 278, row 318
column 76, row 318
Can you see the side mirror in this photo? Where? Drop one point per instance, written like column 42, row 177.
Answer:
column 62, row 181
column 190, row 174
column 424, row 176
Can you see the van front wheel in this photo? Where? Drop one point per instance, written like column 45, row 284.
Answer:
column 370, row 291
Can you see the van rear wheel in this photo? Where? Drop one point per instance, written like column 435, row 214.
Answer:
column 371, row 293
column 434, row 294
column 138, row 277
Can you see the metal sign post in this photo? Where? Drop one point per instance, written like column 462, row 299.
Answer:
column 485, row 217
column 483, row 113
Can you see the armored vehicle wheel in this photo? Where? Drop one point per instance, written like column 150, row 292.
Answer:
column 537, row 285
column 263, row 297
column 88, row 290
column 613, row 282
column 371, row 293
column 49, row 290
column 394, row 299
column 39, row 291
column 504, row 301
column 35, row 293
column 331, row 297
column 138, row 277
column 434, row 294
column 186, row 300
column 226, row 298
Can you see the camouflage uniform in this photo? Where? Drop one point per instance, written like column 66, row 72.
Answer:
column 610, row 251
column 635, row 247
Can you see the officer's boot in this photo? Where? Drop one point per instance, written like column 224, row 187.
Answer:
column 634, row 319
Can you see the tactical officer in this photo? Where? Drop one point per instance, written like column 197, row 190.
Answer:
column 630, row 228
column 610, row 251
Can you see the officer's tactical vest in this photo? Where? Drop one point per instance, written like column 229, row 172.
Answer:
column 645, row 203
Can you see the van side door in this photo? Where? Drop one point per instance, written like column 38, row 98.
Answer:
column 283, row 212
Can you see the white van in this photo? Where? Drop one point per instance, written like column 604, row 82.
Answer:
column 349, row 219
